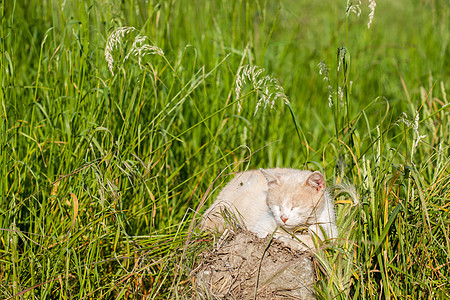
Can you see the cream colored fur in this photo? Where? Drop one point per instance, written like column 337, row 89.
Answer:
column 262, row 200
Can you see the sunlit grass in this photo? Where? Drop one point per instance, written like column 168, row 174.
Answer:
column 103, row 165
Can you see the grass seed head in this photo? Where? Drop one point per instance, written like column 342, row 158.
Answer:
column 414, row 124
column 324, row 71
column 372, row 4
column 353, row 7
column 139, row 48
column 269, row 87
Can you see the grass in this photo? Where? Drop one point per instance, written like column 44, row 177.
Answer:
column 101, row 174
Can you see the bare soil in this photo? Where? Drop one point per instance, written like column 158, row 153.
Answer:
column 243, row 266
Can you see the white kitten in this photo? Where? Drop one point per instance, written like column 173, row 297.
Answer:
column 264, row 199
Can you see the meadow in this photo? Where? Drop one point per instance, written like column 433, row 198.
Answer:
column 120, row 120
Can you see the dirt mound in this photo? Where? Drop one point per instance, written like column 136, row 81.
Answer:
column 234, row 270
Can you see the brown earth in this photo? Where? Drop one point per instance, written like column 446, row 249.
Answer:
column 242, row 263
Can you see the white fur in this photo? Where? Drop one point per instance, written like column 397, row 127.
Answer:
column 261, row 199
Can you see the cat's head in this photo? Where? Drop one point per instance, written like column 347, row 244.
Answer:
column 294, row 196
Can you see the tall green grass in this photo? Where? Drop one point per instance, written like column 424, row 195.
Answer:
column 102, row 175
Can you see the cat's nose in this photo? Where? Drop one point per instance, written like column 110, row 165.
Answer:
column 283, row 218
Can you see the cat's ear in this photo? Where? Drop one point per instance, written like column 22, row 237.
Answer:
column 316, row 181
column 271, row 177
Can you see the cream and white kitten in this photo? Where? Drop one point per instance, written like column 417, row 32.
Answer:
column 267, row 198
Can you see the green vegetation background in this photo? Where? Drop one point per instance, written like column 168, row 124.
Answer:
column 101, row 174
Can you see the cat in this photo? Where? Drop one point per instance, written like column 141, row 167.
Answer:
column 267, row 198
